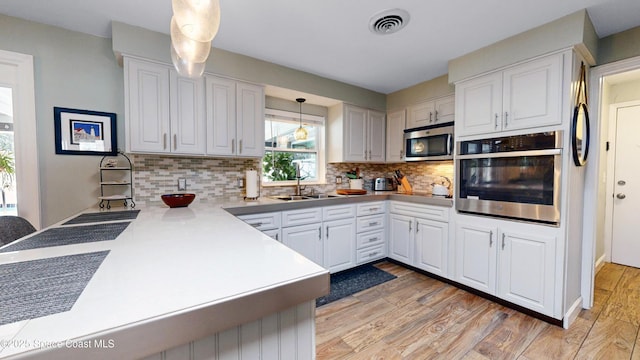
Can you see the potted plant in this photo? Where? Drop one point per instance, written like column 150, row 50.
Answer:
column 7, row 172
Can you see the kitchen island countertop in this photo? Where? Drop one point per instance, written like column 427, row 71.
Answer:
column 168, row 270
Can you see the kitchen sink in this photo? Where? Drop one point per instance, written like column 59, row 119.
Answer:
column 320, row 196
column 302, row 197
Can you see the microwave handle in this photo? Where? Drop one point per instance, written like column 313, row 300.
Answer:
column 449, row 142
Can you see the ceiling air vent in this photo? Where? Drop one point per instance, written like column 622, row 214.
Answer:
column 388, row 21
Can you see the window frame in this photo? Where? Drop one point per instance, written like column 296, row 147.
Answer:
column 320, row 144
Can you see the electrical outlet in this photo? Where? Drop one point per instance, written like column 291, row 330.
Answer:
column 182, row 184
column 338, row 179
column 240, row 182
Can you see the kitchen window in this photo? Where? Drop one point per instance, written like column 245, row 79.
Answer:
column 283, row 152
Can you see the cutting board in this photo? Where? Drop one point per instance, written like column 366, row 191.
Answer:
column 351, row 192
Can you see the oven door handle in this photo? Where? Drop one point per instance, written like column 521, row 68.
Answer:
column 511, row 154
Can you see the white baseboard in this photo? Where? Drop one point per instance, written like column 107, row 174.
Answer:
column 600, row 263
column 572, row 313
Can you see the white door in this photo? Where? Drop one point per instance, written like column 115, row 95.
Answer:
column 376, row 136
column 625, row 246
column 395, row 132
column 400, row 229
column 476, row 256
column 221, row 115
column 339, row 244
column 187, row 115
column 306, row 240
column 478, row 105
column 250, row 117
column 355, row 142
column 431, row 246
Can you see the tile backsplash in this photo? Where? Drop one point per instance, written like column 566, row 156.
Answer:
column 216, row 178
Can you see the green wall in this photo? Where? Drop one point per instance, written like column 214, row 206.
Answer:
column 71, row 70
column 425, row 90
column 623, row 45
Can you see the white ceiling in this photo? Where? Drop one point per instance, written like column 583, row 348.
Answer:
column 331, row 38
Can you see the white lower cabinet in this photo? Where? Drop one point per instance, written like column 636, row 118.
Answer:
column 513, row 261
column 306, row 240
column 339, row 244
column 370, row 228
column 400, row 230
column 419, row 236
column 268, row 223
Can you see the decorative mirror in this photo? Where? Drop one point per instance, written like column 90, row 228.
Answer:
column 580, row 123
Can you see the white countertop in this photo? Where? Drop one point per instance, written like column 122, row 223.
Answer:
column 166, row 267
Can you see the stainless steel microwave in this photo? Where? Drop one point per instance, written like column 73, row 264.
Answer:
column 433, row 142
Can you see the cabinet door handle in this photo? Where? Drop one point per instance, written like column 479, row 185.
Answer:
column 496, row 126
column 490, row 238
column 327, row 231
column 233, row 146
column 240, row 146
column 502, row 241
column 401, row 153
column 506, row 119
column 320, row 233
column 417, row 227
column 164, row 141
column 369, row 154
column 175, row 142
column 365, row 154
column 277, row 236
column 410, row 222
column 430, row 116
column 436, row 116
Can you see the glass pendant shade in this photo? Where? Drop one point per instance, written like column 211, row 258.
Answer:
column 185, row 67
column 187, row 48
column 198, row 20
column 301, row 133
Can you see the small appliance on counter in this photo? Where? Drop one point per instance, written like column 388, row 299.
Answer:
column 384, row 184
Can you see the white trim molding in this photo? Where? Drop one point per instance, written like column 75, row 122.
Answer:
column 17, row 73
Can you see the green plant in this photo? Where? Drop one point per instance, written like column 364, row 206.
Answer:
column 279, row 166
column 7, row 169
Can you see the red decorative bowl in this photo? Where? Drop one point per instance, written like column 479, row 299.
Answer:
column 178, row 200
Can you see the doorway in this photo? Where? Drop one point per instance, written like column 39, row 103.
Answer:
column 596, row 249
column 624, row 183
column 16, row 74
column 8, row 197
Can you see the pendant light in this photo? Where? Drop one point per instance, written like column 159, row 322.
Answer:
column 193, row 26
column 301, row 133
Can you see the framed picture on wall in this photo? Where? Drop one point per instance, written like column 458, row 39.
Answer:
column 84, row 132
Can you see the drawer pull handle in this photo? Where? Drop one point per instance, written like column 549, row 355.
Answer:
column 256, row 224
column 373, row 223
column 373, row 254
column 373, row 239
column 373, row 209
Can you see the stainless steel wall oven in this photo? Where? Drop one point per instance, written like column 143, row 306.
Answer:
column 513, row 177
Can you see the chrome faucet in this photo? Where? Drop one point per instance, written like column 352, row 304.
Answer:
column 298, row 188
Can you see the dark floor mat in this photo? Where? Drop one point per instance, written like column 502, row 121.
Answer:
column 36, row 288
column 351, row 281
column 69, row 235
column 103, row 216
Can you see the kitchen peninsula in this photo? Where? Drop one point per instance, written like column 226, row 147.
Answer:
column 196, row 276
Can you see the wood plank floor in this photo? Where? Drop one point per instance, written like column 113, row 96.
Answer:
column 416, row 317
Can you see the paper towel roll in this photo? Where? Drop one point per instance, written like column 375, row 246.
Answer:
column 251, row 184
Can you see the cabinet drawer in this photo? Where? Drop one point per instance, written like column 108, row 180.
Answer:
column 338, row 212
column 370, row 238
column 264, row 221
column 301, row 216
column 368, row 223
column 370, row 254
column 432, row 212
column 370, row 208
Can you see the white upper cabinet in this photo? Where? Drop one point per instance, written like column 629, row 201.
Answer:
column 235, row 118
column 395, row 134
column 356, row 134
column 164, row 112
column 431, row 112
column 520, row 97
